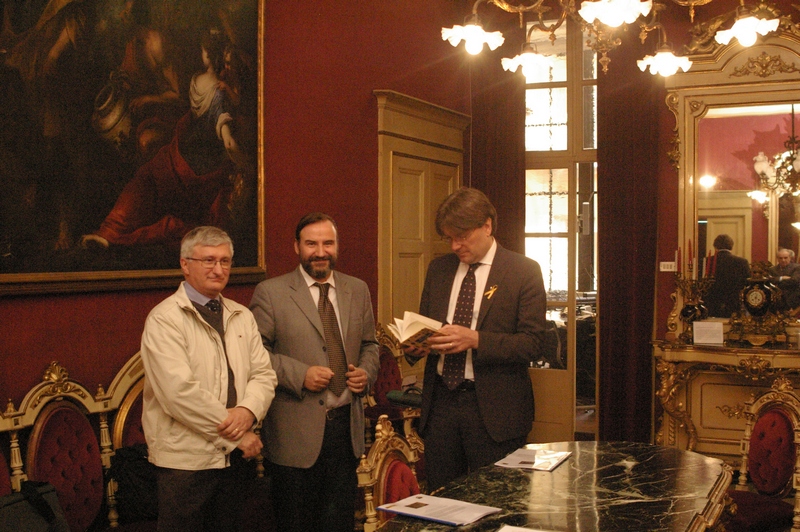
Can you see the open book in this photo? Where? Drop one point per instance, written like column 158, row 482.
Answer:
column 538, row 459
column 414, row 329
column 439, row 509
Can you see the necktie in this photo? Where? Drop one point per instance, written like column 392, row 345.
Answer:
column 333, row 341
column 214, row 306
column 455, row 364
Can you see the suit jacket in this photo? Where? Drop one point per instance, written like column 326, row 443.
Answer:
column 291, row 329
column 723, row 297
column 511, row 324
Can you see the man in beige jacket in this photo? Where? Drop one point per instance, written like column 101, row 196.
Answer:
column 208, row 381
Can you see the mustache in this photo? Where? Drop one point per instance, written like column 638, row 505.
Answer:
column 318, row 258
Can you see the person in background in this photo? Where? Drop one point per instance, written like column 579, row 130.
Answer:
column 786, row 276
column 318, row 323
column 730, row 276
column 477, row 403
column 208, row 381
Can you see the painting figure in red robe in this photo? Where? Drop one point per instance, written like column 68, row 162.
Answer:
column 188, row 183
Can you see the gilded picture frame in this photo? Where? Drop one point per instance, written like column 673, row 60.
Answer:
column 124, row 124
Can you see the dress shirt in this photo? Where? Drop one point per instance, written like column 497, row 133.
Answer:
column 331, row 400
column 481, row 276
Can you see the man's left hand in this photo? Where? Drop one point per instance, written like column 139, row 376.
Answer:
column 454, row 339
column 238, row 422
column 356, row 379
column 250, row 445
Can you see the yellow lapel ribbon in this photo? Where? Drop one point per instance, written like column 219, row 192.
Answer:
column 489, row 293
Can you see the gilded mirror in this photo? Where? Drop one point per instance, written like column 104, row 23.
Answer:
column 732, row 105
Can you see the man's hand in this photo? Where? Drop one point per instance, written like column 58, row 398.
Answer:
column 356, row 379
column 317, row 378
column 239, row 421
column 250, row 445
column 454, row 339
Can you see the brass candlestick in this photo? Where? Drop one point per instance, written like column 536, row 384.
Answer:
column 692, row 291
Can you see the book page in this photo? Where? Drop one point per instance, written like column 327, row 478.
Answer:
column 537, row 459
column 442, row 510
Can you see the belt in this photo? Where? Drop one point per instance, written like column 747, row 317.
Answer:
column 465, row 386
column 336, row 413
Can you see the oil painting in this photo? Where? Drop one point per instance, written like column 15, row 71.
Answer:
column 124, row 124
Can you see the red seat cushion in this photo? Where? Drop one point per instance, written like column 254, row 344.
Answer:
column 772, row 454
column 399, row 483
column 63, row 451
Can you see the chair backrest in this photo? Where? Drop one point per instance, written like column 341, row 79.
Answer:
column 63, row 450
column 128, row 423
column 386, row 473
column 769, row 453
column 389, row 377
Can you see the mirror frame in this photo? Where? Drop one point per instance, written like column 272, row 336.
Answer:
column 766, row 73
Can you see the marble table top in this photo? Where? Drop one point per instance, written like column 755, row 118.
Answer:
column 603, row 486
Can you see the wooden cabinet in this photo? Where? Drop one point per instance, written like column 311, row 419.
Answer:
column 700, row 393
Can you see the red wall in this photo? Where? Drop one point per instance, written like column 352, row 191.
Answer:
column 322, row 62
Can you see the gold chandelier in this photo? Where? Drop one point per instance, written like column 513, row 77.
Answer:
column 780, row 175
column 600, row 20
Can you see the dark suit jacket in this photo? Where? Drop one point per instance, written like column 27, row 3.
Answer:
column 291, row 329
column 723, row 297
column 511, row 325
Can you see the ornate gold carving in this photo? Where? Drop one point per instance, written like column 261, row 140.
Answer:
column 764, row 66
column 782, row 384
column 672, row 379
column 732, row 411
column 59, row 377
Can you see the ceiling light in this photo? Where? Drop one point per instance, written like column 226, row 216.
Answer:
column 614, row 13
column 748, row 26
column 664, row 62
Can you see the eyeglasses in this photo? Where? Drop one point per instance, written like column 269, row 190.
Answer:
column 458, row 239
column 208, row 263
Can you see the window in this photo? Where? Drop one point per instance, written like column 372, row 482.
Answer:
column 560, row 144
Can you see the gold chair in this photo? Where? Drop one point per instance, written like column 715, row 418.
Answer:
column 770, row 462
column 387, row 473
column 386, row 396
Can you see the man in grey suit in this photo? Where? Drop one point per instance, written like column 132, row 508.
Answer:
column 314, row 430
column 477, row 400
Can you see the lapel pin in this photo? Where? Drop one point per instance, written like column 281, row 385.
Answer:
column 490, row 292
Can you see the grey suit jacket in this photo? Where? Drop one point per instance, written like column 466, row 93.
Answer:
column 511, row 324
column 291, row 329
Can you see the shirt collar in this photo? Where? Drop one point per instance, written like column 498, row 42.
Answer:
column 194, row 295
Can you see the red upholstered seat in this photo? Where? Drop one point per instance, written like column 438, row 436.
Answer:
column 63, row 451
column 389, row 379
column 5, row 477
column 769, row 460
column 399, row 482
column 772, row 453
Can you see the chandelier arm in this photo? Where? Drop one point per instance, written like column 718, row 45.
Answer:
column 691, row 4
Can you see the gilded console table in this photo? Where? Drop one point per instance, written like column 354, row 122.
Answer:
column 702, row 390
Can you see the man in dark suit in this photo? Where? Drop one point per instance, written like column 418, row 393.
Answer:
column 786, row 276
column 314, row 433
column 477, row 403
column 730, row 276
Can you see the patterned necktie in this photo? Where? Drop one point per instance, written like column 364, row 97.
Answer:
column 456, row 363
column 214, row 306
column 333, row 341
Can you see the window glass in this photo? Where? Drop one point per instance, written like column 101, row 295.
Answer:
column 590, row 117
column 546, row 200
column 546, row 119
column 555, row 51
column 551, row 254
